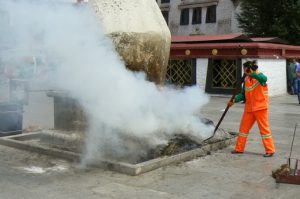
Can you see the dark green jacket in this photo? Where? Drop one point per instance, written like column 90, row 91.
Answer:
column 292, row 71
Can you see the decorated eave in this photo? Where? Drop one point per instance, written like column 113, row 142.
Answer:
column 231, row 46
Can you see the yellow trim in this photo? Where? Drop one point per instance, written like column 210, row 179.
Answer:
column 250, row 88
column 266, row 136
column 243, row 134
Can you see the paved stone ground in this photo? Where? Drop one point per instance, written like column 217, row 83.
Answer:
column 220, row 175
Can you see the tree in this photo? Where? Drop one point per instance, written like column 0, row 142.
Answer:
column 271, row 18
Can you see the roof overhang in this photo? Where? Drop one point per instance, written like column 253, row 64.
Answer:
column 210, row 38
column 230, row 46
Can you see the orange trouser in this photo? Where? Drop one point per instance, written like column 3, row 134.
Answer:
column 247, row 122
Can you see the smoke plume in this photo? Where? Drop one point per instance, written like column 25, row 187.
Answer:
column 127, row 114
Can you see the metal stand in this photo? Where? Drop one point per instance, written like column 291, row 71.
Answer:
column 288, row 173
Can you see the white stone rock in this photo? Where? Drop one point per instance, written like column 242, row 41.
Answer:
column 140, row 34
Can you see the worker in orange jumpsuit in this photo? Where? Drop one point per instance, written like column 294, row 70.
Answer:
column 255, row 95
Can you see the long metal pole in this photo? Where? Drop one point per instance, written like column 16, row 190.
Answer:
column 293, row 141
column 227, row 107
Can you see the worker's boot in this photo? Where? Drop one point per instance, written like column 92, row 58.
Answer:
column 267, row 155
column 236, row 152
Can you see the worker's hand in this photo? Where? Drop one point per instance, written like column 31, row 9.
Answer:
column 230, row 103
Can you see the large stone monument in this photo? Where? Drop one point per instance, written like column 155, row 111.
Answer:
column 139, row 32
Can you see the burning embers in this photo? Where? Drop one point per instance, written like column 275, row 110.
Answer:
column 134, row 149
column 178, row 144
column 181, row 143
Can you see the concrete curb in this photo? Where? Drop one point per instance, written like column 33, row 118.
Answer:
column 17, row 141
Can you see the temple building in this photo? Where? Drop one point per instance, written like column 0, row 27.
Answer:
column 214, row 62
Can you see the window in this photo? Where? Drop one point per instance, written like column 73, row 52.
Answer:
column 165, row 13
column 184, row 17
column 196, row 16
column 211, row 14
column 181, row 72
column 165, row 1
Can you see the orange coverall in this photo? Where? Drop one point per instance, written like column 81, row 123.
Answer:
column 255, row 94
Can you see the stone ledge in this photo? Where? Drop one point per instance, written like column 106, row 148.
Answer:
column 19, row 141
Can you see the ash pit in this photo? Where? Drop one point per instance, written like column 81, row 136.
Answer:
column 142, row 158
column 177, row 144
column 139, row 148
column 180, row 143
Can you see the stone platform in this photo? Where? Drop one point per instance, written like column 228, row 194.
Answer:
column 69, row 147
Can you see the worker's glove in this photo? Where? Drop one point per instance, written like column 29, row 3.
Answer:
column 230, row 103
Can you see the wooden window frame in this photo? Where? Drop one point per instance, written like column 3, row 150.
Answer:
column 208, row 85
column 185, row 16
column 211, row 14
column 165, row 1
column 197, row 15
column 165, row 14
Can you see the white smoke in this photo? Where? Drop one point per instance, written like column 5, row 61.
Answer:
column 120, row 104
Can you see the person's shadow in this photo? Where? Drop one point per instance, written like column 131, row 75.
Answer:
column 290, row 104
